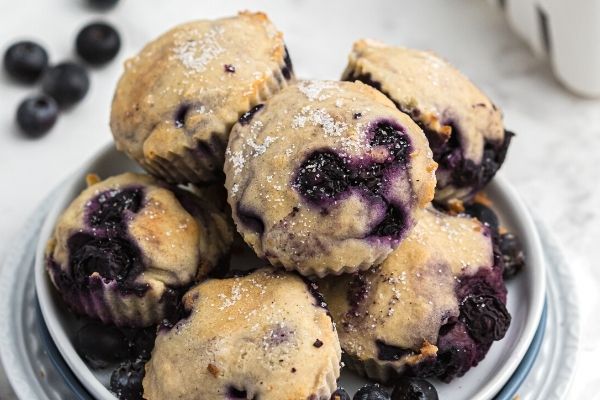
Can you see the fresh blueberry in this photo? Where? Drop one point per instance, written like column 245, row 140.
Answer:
column 484, row 214
column 485, row 317
column 340, row 394
column 25, row 61
column 512, row 255
column 67, row 83
column 322, row 176
column 126, row 381
column 414, row 389
column 102, row 4
column 101, row 345
column 98, row 43
column 37, row 115
column 371, row 392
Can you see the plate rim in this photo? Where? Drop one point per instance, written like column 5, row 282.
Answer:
column 510, row 196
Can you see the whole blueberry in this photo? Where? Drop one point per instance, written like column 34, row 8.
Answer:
column 101, row 345
column 414, row 389
column 25, row 61
column 37, row 115
column 102, row 4
column 512, row 255
column 484, row 214
column 66, row 82
column 371, row 392
column 340, row 394
column 98, row 43
column 126, row 381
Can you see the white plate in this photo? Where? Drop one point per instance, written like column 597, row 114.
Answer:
column 525, row 294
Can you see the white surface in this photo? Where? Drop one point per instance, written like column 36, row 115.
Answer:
column 553, row 161
column 525, row 298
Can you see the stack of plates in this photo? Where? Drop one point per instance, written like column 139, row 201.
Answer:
column 37, row 352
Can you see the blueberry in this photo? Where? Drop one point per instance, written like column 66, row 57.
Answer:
column 322, row 176
column 103, row 4
column 25, row 61
column 98, row 43
column 369, row 177
column 512, row 255
column 37, row 115
column 371, row 392
column 387, row 352
column 484, row 214
column 66, row 82
column 141, row 342
column 414, row 389
column 392, row 224
column 485, row 317
column 248, row 115
column 126, row 381
column 108, row 208
column 340, row 394
column 393, row 137
column 101, row 345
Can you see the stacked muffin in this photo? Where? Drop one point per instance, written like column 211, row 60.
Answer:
column 331, row 181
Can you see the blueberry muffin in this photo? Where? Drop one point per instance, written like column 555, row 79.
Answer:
column 326, row 176
column 264, row 336
column 433, row 308
column 179, row 97
column 128, row 247
column 464, row 128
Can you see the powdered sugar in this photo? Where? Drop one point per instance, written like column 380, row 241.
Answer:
column 195, row 55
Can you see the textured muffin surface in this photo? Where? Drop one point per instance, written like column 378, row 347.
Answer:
column 178, row 98
column 262, row 336
column 326, row 176
column 419, row 312
column 464, row 127
column 125, row 249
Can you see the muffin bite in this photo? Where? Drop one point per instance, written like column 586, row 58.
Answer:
column 263, row 336
column 179, row 97
column 127, row 248
column 433, row 308
column 464, row 128
column 325, row 177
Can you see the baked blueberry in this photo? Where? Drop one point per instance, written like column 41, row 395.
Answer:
column 485, row 316
column 67, row 83
column 102, row 4
column 413, row 389
column 512, row 254
column 126, row 381
column 371, row 392
column 98, row 43
column 126, row 249
column 484, row 214
column 25, row 61
column 37, row 115
column 332, row 193
column 340, row 394
column 101, row 345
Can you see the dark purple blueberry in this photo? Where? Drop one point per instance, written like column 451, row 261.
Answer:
column 393, row 223
column 493, row 158
column 322, row 176
column 102, row 4
column 394, row 138
column 369, row 177
column 484, row 214
column 340, row 394
column 112, row 258
column 318, row 344
column 485, row 317
column 229, row 68
column 67, row 83
column 371, row 392
column 101, row 345
column 141, row 342
column 107, row 209
column 37, row 115
column 512, row 255
column 414, row 389
column 248, row 115
column 387, row 352
column 98, row 43
column 25, row 61
column 126, row 381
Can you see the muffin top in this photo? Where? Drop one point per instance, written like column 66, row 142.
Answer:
column 393, row 313
column 217, row 70
column 325, row 177
column 265, row 335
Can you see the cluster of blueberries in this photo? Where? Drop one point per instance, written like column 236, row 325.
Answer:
column 64, row 84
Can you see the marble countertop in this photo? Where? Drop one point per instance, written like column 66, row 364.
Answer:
column 553, row 161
